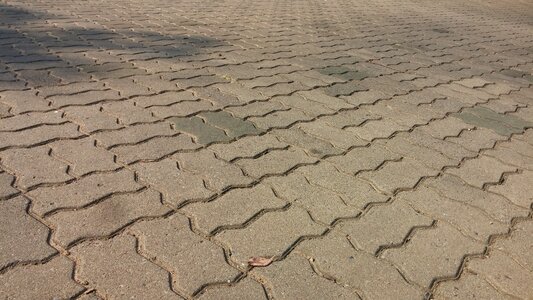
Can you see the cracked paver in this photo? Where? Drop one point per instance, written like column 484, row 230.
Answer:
column 148, row 150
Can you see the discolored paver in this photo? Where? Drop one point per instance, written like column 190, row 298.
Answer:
column 149, row 150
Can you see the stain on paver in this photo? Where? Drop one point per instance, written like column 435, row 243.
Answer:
column 503, row 124
column 234, row 127
column 202, row 132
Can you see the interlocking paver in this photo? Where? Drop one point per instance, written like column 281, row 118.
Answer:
column 23, row 238
column 336, row 257
column 324, row 206
column 494, row 205
column 247, row 147
column 191, row 260
column 81, row 192
column 275, row 162
column 27, row 282
column 177, row 185
column 134, row 134
column 105, row 217
column 115, row 269
column 154, row 148
column 369, row 233
column 482, row 170
column 235, row 207
column 245, row 289
column 433, row 253
column 38, row 135
column 95, row 159
column 34, row 166
column 294, row 278
column 217, row 174
column 257, row 240
column 469, row 219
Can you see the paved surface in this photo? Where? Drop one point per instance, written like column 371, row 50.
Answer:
column 372, row 149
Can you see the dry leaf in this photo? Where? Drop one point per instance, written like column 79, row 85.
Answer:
column 259, row 261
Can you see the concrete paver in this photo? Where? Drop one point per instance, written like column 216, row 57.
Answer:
column 149, row 150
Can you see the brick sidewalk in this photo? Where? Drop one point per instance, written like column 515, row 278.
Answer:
column 372, row 149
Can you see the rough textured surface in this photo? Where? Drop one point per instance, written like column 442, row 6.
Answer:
column 372, row 149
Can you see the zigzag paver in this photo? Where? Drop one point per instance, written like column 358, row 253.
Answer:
column 148, row 150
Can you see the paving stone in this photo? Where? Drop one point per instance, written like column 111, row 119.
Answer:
column 94, row 159
column 355, row 192
column 433, row 253
column 6, row 185
column 81, row 192
column 312, row 146
column 181, row 109
column 192, row 261
column 363, row 158
column 470, row 220
column 106, row 216
column 244, row 289
column 481, row 171
column 89, row 296
column 503, row 273
column 233, row 127
column 447, row 127
column 335, row 256
column 126, row 87
column 518, row 146
column 219, row 175
column 274, row 162
column 516, row 188
column 134, row 134
column 310, row 108
column 471, row 285
column 164, row 99
column 91, row 118
column 154, row 149
column 518, row 245
column 258, row 240
column 23, row 239
column 176, row 184
column 503, row 125
column 38, row 135
column 377, row 129
column 330, row 102
column 203, row 133
column 477, row 139
column 323, row 205
column 451, row 150
column 294, row 277
column 28, row 120
column 127, row 113
column 431, row 158
column 369, row 233
column 247, row 147
column 34, row 167
column 494, row 205
column 115, row 269
column 27, row 282
column 235, row 207
column 280, row 119
column 84, row 98
column 398, row 175
column 349, row 118
column 23, row 101
column 337, row 137
column 256, row 109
